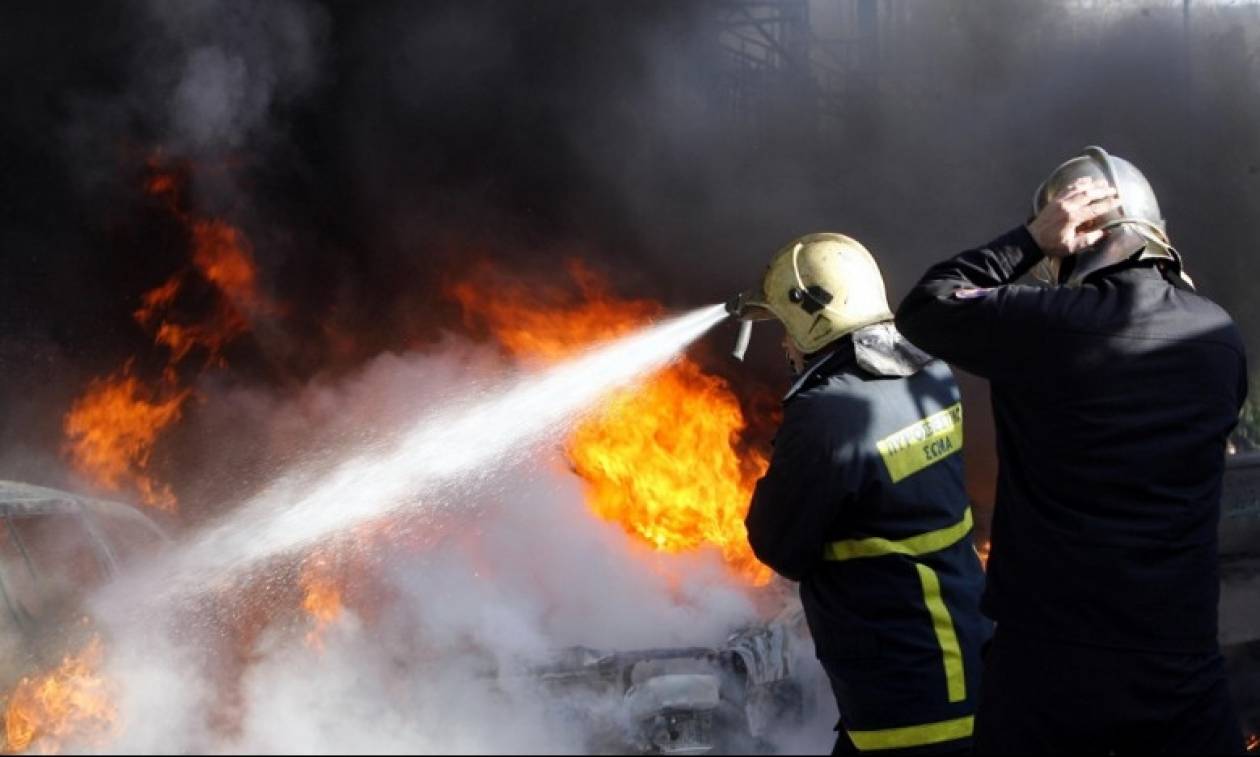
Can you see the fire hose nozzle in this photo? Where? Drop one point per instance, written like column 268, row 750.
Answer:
column 737, row 306
column 742, row 339
column 747, row 306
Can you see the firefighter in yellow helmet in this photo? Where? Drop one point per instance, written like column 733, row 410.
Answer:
column 864, row 504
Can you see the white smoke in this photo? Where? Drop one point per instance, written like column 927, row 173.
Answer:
column 518, row 569
column 446, row 667
column 235, row 63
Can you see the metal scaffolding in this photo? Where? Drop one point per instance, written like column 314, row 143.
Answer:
column 775, row 65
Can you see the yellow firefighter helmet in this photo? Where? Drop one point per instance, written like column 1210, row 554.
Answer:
column 820, row 287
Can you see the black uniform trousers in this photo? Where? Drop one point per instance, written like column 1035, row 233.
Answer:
column 1045, row 697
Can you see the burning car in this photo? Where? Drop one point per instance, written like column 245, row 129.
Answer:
column 55, row 547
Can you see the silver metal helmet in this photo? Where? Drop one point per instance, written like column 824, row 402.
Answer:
column 1138, row 212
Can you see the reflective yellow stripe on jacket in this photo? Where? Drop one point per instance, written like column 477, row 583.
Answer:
column 942, row 625
column 912, row 735
column 932, row 541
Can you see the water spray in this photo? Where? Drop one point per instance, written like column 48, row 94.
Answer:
column 491, row 426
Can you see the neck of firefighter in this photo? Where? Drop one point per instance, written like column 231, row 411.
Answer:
column 796, row 358
column 799, row 362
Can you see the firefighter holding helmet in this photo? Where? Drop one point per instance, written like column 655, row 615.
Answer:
column 1114, row 389
column 863, row 504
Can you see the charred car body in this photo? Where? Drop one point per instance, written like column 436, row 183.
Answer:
column 55, row 547
column 727, row 699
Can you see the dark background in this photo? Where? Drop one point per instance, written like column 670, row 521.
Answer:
column 372, row 150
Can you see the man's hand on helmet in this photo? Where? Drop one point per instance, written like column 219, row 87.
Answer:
column 1065, row 225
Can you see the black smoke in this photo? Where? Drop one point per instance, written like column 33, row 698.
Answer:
column 371, row 150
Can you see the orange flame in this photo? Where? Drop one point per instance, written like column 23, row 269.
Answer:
column 528, row 322
column 660, row 459
column 110, row 432
column 111, row 429
column 321, row 598
column 1253, row 742
column 156, row 300
column 224, row 256
column 72, row 703
column 982, row 550
column 161, row 184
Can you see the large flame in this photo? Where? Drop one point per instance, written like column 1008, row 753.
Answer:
column 662, row 460
column 72, row 704
column 111, row 429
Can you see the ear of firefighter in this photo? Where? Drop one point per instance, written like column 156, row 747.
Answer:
column 820, row 287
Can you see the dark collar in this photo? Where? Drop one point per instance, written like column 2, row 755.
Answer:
column 879, row 350
column 1137, row 270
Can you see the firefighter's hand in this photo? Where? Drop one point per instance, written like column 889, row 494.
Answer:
column 1065, row 226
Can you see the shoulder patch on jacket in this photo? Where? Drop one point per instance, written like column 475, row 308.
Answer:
column 971, row 293
column 922, row 443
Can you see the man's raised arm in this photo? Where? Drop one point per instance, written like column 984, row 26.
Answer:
column 964, row 310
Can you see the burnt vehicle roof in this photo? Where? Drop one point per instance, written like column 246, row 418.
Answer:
column 18, row 500
column 104, row 531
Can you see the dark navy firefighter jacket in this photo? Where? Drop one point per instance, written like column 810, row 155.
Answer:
column 1113, row 402
column 864, row 505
